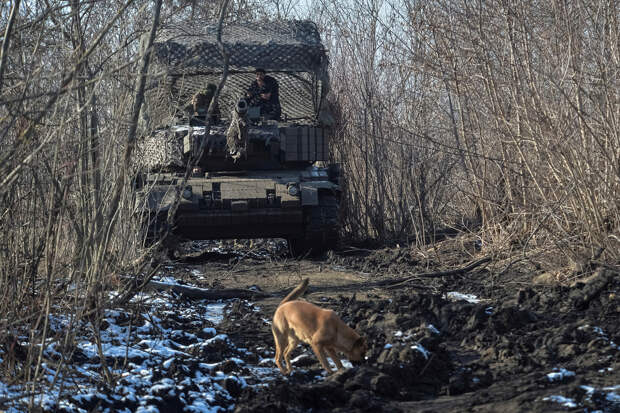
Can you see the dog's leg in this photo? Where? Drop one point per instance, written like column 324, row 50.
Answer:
column 334, row 355
column 277, row 337
column 320, row 354
column 292, row 344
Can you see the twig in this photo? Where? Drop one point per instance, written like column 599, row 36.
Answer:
column 467, row 268
column 202, row 293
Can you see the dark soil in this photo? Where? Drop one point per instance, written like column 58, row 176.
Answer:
column 524, row 347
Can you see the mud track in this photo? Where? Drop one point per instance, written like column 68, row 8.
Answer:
column 518, row 346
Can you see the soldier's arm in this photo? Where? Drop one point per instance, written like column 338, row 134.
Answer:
column 252, row 91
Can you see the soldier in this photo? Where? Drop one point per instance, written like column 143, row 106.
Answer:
column 199, row 106
column 264, row 93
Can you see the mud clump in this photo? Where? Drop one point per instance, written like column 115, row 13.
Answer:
column 423, row 345
column 387, row 260
column 406, row 361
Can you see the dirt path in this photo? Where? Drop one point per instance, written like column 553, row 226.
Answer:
column 475, row 341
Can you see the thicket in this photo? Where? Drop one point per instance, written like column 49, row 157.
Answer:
column 72, row 80
column 501, row 118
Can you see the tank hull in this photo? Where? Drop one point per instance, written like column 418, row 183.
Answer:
column 260, row 223
column 298, row 205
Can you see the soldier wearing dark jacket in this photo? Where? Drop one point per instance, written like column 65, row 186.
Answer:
column 263, row 92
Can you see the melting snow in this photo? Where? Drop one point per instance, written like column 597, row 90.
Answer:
column 422, row 350
column 135, row 354
column 456, row 296
column 560, row 374
column 564, row 401
column 432, row 329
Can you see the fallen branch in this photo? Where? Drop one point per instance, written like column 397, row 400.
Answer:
column 203, row 293
column 462, row 270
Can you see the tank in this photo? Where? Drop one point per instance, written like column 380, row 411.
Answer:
column 249, row 175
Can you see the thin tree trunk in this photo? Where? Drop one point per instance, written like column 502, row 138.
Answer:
column 7, row 40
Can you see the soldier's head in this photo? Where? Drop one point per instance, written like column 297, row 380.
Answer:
column 260, row 74
column 200, row 102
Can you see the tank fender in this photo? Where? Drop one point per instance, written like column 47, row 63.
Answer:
column 310, row 191
column 159, row 199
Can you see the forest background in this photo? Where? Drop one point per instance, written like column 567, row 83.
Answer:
column 497, row 120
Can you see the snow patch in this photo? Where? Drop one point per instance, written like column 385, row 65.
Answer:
column 456, row 296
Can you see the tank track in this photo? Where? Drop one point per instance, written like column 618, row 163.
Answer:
column 321, row 231
column 157, row 229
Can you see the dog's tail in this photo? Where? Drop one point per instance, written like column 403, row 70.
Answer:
column 296, row 293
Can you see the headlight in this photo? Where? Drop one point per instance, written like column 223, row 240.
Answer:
column 293, row 190
column 187, row 193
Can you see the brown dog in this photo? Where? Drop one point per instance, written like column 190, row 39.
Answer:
column 296, row 321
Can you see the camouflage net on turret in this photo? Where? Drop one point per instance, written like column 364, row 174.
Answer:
column 186, row 58
column 160, row 149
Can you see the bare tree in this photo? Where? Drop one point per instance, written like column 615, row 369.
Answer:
column 66, row 106
column 500, row 116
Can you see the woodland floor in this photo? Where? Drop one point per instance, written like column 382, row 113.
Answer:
column 497, row 337
column 450, row 329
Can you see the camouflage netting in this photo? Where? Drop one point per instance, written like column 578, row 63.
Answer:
column 186, row 58
column 161, row 149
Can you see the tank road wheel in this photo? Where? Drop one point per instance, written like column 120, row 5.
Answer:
column 156, row 229
column 321, row 231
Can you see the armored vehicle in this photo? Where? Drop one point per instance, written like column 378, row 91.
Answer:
column 251, row 176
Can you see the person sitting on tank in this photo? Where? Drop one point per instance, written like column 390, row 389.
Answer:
column 199, row 105
column 264, row 93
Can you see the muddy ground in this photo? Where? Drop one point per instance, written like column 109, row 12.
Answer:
column 513, row 339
